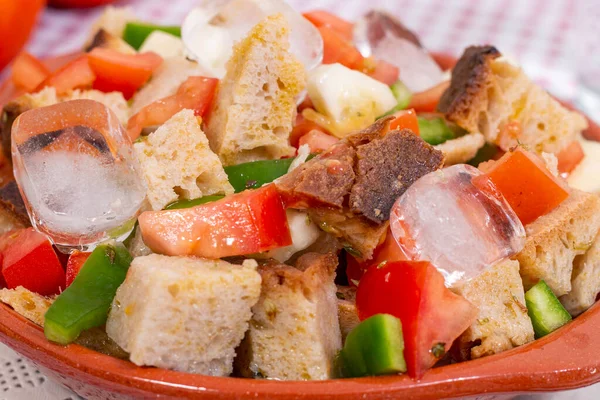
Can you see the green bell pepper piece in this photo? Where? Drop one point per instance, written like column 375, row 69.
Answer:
column 402, row 95
column 254, row 174
column 373, row 347
column 191, row 203
column 545, row 310
column 85, row 304
column 135, row 33
column 435, row 130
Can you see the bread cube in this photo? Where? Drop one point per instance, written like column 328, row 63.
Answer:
column 113, row 100
column 184, row 313
column 347, row 312
column 555, row 239
column 294, row 332
column 26, row 303
column 255, row 105
column 503, row 322
column 585, row 282
column 461, row 149
column 166, row 81
column 178, row 164
column 487, row 92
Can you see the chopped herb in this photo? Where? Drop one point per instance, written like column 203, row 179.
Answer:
column 439, row 350
column 352, row 251
column 340, row 296
column 382, row 264
column 355, row 282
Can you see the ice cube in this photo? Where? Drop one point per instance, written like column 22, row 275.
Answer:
column 77, row 173
column 210, row 30
column 456, row 219
column 380, row 35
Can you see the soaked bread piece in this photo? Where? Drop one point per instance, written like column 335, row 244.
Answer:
column 488, row 93
column 255, row 105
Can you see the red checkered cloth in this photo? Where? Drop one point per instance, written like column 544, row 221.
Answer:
column 541, row 34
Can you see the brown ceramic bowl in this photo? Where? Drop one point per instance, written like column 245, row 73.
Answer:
column 566, row 359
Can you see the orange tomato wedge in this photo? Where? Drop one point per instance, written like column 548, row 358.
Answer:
column 336, row 49
column 321, row 18
column 76, row 74
column 570, row 157
column 317, row 141
column 124, row 73
column 195, row 93
column 428, row 100
column 405, row 119
column 527, row 185
column 28, row 72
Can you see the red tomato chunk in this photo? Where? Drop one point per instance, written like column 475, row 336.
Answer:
column 528, row 186
column 76, row 261
column 244, row 223
column 30, row 261
column 414, row 291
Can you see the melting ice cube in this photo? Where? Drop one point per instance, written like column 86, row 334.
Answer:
column 380, row 35
column 77, row 173
column 456, row 219
column 210, row 30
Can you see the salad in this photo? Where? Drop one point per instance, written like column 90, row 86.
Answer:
column 266, row 194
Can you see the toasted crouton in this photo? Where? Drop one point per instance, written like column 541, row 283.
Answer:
column 113, row 100
column 347, row 313
column 113, row 21
column 26, row 303
column 502, row 322
column 255, row 105
column 585, row 282
column 294, row 332
column 184, row 313
column 554, row 239
column 487, row 93
column 165, row 81
column 461, row 149
column 178, row 163
column 104, row 40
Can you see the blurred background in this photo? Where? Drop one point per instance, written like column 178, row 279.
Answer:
column 556, row 41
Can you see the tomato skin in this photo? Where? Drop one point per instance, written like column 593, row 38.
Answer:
column 30, row 261
column 28, row 72
column 78, row 3
column 76, row 261
column 570, row 157
column 301, row 128
column 336, row 49
column 76, row 74
column 445, row 61
column 248, row 222
column 431, row 314
column 124, row 73
column 529, row 188
column 323, row 18
column 317, row 141
column 405, row 119
column 428, row 100
column 195, row 93
column 17, row 21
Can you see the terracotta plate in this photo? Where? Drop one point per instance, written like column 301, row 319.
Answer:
column 568, row 358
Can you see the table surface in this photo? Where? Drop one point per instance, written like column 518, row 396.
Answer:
column 540, row 34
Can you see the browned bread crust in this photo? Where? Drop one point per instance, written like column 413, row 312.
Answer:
column 467, row 93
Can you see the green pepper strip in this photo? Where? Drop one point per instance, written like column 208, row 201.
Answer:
column 191, row 203
column 85, row 304
column 402, row 95
column 254, row 174
column 135, row 33
column 435, row 130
